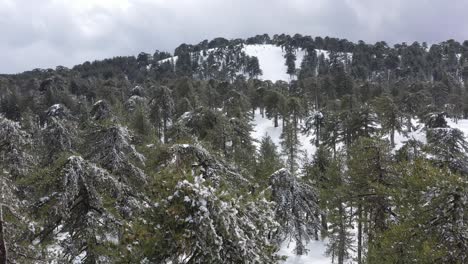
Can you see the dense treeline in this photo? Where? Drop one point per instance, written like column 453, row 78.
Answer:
column 151, row 159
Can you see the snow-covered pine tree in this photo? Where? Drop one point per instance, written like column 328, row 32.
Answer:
column 59, row 133
column 296, row 209
column 81, row 211
column 207, row 224
column 101, row 110
column 112, row 149
column 214, row 228
column 447, row 145
column 313, row 125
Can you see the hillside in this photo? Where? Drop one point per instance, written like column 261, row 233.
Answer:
column 251, row 150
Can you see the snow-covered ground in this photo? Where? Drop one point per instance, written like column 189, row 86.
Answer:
column 315, row 254
column 462, row 124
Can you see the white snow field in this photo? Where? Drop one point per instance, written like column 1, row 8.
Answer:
column 461, row 124
column 272, row 62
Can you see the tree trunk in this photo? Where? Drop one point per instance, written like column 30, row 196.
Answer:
column 317, row 135
column 276, row 120
column 164, row 130
column 324, row 222
column 3, row 248
column 392, row 137
column 342, row 243
column 359, row 235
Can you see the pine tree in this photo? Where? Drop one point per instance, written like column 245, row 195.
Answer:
column 162, row 109
column 296, row 208
column 290, row 62
column 334, row 194
column 59, row 133
column 274, row 102
column 370, row 175
column 291, row 146
column 314, row 122
column 431, row 223
column 389, row 116
column 253, row 67
column 268, row 160
column 75, row 209
column 332, row 133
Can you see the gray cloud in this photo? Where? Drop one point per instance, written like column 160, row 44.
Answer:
column 42, row 34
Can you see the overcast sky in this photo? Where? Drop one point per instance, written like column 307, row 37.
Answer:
column 47, row 33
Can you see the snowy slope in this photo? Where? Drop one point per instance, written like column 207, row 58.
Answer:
column 272, row 61
column 420, row 134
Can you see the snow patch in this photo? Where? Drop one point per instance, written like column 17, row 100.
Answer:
column 315, row 254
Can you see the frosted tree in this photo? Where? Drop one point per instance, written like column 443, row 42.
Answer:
column 15, row 163
column 134, row 102
column 207, row 224
column 448, row 145
column 213, row 228
column 75, row 217
column 205, row 164
column 313, row 125
column 112, row 148
column 13, row 145
column 58, row 132
column 101, row 110
column 15, row 223
column 296, row 208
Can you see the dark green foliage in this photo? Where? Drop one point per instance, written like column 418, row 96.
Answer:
column 268, row 160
